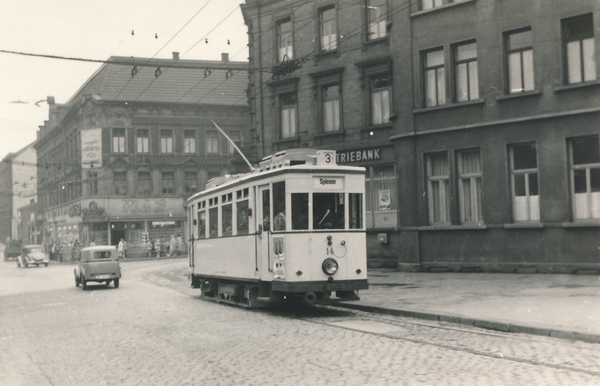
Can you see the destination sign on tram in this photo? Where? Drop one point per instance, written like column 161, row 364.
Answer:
column 328, row 183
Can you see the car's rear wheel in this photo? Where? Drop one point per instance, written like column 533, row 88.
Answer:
column 116, row 281
column 83, row 282
column 76, row 281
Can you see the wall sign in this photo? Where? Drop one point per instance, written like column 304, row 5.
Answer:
column 91, row 148
column 358, row 156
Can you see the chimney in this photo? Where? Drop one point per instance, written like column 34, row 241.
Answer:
column 175, row 55
column 225, row 57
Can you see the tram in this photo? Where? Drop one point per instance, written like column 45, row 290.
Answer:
column 291, row 230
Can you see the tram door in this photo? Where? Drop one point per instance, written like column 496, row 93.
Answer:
column 263, row 226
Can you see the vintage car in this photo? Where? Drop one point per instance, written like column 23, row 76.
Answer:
column 12, row 249
column 98, row 264
column 32, row 255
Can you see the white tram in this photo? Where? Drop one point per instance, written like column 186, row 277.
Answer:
column 292, row 229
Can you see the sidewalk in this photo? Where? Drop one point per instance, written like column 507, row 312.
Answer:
column 562, row 306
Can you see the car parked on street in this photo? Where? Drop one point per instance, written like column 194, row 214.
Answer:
column 32, row 255
column 13, row 249
column 98, row 264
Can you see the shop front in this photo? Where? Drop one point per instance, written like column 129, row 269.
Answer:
column 381, row 184
column 150, row 227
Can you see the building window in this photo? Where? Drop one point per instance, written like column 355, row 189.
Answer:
column 578, row 38
column 519, row 53
column 189, row 141
column 435, row 78
column 585, row 178
column 331, row 108
column 428, row 4
column 235, row 136
column 166, row 141
column 284, row 40
column 525, row 188
column 120, row 183
column 465, row 65
column 381, row 86
column 288, row 115
column 191, row 183
column 93, row 179
column 144, row 183
column 118, row 140
column 328, row 30
column 142, row 141
column 438, row 188
column 470, row 186
column 377, row 19
column 212, row 142
column 380, row 187
column 168, row 183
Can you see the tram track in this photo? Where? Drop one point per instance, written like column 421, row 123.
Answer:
column 550, row 353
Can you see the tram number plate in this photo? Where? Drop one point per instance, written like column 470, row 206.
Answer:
column 333, row 287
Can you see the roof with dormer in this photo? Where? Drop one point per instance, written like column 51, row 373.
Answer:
column 129, row 79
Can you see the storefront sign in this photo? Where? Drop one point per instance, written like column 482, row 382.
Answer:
column 91, row 148
column 358, row 156
column 93, row 212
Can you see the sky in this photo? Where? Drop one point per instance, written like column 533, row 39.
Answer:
column 97, row 30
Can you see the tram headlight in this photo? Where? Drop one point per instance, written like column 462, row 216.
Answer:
column 330, row 266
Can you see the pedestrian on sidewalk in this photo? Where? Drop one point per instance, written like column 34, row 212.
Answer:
column 120, row 249
column 125, row 249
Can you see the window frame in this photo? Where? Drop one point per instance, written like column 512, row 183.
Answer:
column 120, row 146
column 381, row 19
column 166, row 141
column 121, row 180
column 457, row 63
column 187, row 189
column 211, row 142
column 444, row 204
column 566, row 24
column 371, row 198
column 289, row 49
column 293, row 121
column 139, row 185
column 587, row 167
column 526, row 172
column 147, row 141
column 324, row 100
column 439, row 94
column 474, row 206
column 190, row 141
column 170, row 189
column 332, row 43
column 508, row 52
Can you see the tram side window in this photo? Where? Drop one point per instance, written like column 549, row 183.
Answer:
column 266, row 208
column 242, row 217
column 355, row 210
column 213, row 221
column 328, row 210
column 227, row 213
column 279, row 206
column 299, row 211
column 202, row 224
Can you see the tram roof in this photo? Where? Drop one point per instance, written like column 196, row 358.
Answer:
column 287, row 161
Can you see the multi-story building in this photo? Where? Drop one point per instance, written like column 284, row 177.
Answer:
column 18, row 181
column 476, row 118
column 119, row 159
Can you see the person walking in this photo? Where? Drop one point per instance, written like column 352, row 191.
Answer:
column 172, row 246
column 125, row 249
column 120, row 249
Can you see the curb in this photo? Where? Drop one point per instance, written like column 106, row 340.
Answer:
column 480, row 323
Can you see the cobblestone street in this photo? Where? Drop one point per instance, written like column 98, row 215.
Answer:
column 154, row 330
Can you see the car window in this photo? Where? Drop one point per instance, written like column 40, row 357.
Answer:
column 35, row 250
column 102, row 255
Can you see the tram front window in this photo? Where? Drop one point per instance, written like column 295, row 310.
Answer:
column 328, row 211
column 299, row 211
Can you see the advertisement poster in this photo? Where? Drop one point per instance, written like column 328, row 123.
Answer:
column 385, row 202
column 91, row 148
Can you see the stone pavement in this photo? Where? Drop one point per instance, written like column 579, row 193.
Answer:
column 557, row 305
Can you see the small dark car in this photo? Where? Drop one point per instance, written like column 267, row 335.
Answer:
column 12, row 250
column 32, row 255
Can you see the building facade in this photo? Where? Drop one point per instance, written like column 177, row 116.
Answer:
column 119, row 159
column 18, row 186
column 485, row 124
